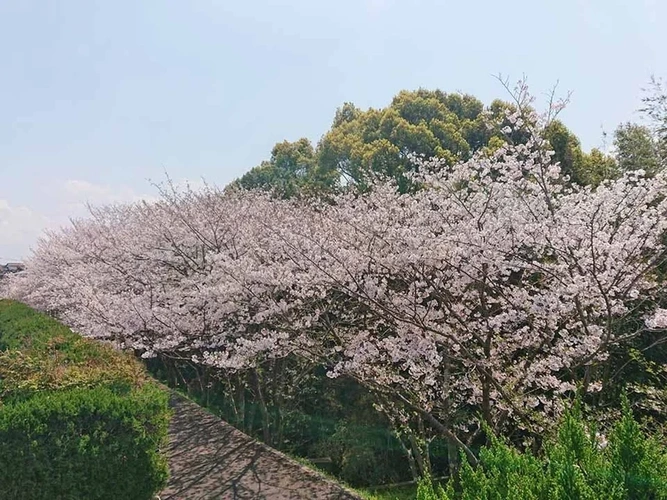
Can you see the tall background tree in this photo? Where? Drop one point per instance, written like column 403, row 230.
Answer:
column 426, row 123
column 292, row 169
column 655, row 109
column 644, row 146
column 636, row 148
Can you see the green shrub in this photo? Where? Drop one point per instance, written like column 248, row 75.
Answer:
column 84, row 444
column 78, row 420
column 576, row 464
column 640, row 462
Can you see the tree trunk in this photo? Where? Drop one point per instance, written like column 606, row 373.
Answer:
column 266, row 420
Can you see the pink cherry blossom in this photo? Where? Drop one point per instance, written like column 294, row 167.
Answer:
column 494, row 289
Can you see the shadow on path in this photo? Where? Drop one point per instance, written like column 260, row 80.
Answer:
column 210, row 459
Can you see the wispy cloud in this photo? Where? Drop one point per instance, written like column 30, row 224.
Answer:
column 99, row 194
column 21, row 226
column 19, row 229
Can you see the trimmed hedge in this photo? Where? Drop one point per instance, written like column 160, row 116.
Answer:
column 78, row 420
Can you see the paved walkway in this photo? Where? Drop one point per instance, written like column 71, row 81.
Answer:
column 210, row 459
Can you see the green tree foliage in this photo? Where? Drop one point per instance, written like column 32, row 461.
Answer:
column 655, row 108
column 645, row 146
column 292, row 169
column 582, row 168
column 426, row 123
column 636, row 148
column 595, row 167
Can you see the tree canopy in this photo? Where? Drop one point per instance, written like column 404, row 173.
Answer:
column 423, row 123
column 636, row 148
column 291, row 169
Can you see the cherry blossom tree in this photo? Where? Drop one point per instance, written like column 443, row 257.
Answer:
column 490, row 293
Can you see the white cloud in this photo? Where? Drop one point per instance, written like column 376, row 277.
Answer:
column 76, row 194
column 84, row 192
column 21, row 226
column 19, row 229
column 98, row 194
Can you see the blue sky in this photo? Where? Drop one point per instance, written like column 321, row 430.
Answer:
column 98, row 97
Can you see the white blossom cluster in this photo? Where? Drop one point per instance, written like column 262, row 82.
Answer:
column 496, row 287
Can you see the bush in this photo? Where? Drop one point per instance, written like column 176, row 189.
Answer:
column 78, row 420
column 84, row 444
column 577, row 464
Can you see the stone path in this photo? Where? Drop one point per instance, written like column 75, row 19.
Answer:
column 210, row 459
